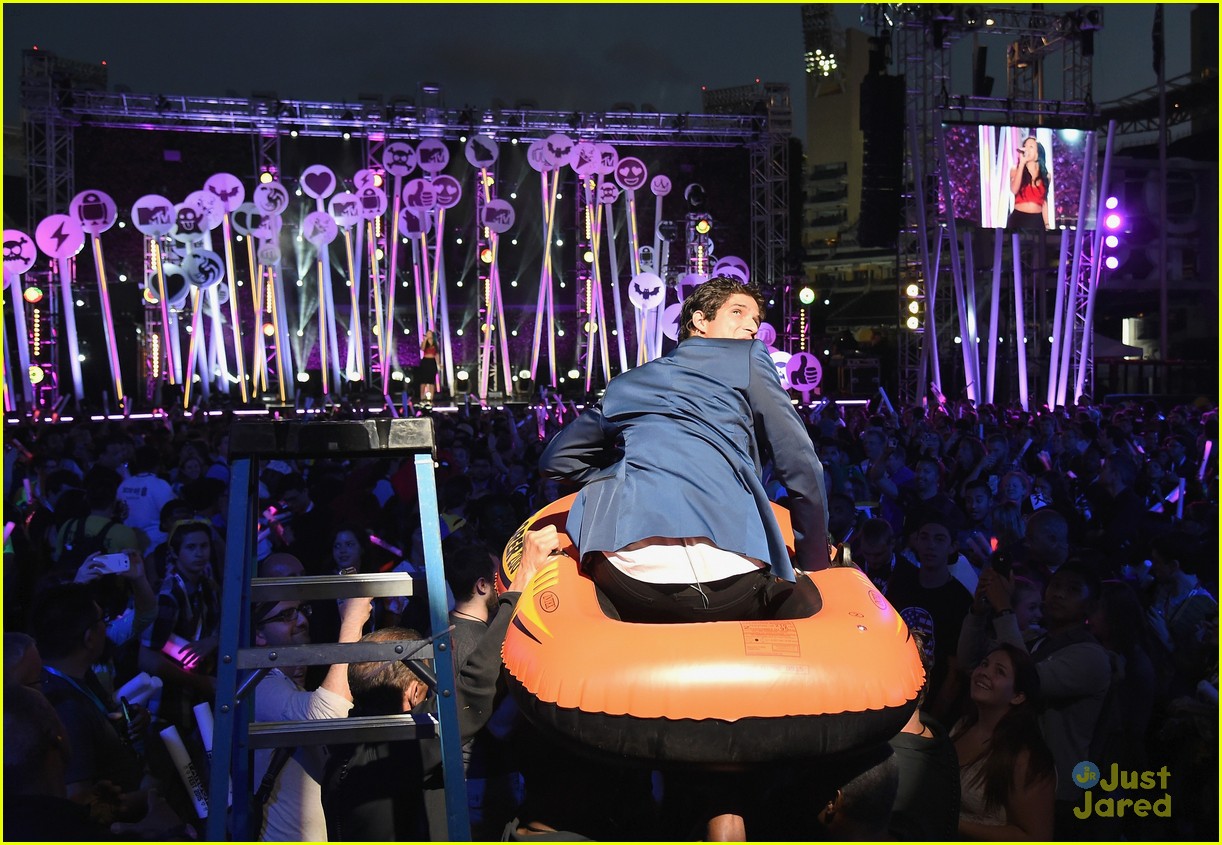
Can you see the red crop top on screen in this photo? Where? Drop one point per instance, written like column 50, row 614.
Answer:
column 1032, row 192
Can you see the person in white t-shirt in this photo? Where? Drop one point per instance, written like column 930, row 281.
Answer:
column 145, row 494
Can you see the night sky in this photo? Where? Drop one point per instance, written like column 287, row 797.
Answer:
column 561, row 56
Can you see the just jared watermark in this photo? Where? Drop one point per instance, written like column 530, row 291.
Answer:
column 1155, row 799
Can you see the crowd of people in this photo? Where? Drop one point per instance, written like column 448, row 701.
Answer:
column 1057, row 568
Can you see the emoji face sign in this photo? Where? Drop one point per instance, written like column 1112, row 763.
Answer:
column 434, row 155
column 398, row 158
column 607, row 193
column 19, row 252
column 734, row 267
column 318, row 181
column 188, row 224
column 227, row 188
column 660, row 185
column 211, row 211
column 559, row 150
column 414, row 224
column 373, row 202
column 498, row 216
column 481, row 151
column 419, row 195
column 585, row 159
column 804, row 372
column 449, row 191
column 94, row 210
column 346, row 209
column 271, row 198
column 268, row 254
column 319, row 228
column 780, row 360
column 538, row 158
column 153, row 215
column 646, row 291
column 203, row 268
column 631, row 173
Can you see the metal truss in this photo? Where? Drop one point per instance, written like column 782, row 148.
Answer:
column 235, row 115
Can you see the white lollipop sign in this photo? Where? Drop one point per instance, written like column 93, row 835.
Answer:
column 271, row 198
column 318, row 181
column 398, row 158
column 59, row 236
column 498, row 216
column 319, row 228
column 153, row 215
column 646, row 291
column 434, row 155
column 227, row 188
column 94, row 210
column 19, row 251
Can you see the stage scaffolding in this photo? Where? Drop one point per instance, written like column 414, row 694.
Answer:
column 932, row 248
column 59, row 96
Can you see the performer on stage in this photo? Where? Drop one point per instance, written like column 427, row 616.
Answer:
column 428, row 366
column 672, row 522
column 1029, row 182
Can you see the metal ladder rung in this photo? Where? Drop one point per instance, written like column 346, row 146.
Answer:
column 305, row 587
column 403, row 726
column 320, row 654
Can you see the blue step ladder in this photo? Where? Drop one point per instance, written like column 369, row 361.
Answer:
column 240, row 667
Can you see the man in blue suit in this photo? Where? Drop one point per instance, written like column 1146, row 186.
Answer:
column 672, row 520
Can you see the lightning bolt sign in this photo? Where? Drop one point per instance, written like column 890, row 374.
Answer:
column 60, row 236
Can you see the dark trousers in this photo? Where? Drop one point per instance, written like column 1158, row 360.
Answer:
column 751, row 595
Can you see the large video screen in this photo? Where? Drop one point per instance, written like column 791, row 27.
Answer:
column 1018, row 177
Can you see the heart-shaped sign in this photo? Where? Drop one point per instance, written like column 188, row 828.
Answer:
column 244, row 217
column 318, row 181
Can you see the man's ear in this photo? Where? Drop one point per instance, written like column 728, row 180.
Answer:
column 259, row 638
column 482, row 586
column 699, row 322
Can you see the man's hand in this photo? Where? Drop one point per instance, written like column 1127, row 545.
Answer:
column 538, row 545
column 195, row 653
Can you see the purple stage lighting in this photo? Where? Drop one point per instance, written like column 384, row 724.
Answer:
column 1112, row 241
column 1112, row 262
column 1111, row 203
column 1112, row 221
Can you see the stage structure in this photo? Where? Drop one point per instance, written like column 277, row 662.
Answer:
column 959, row 153
column 367, row 240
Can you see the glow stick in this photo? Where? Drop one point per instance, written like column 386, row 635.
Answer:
column 284, row 363
column 23, row 339
column 1209, row 447
column 356, row 346
column 108, row 323
column 615, row 294
column 419, row 290
column 1058, row 312
column 447, row 342
column 392, row 272
column 159, row 271
column 235, row 325
column 186, row 770
column 1019, row 325
column 258, row 361
column 203, row 720
column 506, row 370
column 322, row 326
column 378, row 328
column 546, row 294
column 1179, row 502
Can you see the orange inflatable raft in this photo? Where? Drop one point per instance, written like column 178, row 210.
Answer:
column 711, row 692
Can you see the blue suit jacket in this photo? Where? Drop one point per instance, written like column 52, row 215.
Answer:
column 676, row 448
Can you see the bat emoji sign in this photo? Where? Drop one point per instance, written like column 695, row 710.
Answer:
column 646, row 291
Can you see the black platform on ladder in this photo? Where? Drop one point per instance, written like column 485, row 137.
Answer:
column 240, row 667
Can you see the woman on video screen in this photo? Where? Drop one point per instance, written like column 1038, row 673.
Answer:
column 1029, row 182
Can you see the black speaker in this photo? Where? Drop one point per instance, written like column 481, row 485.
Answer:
column 882, row 166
